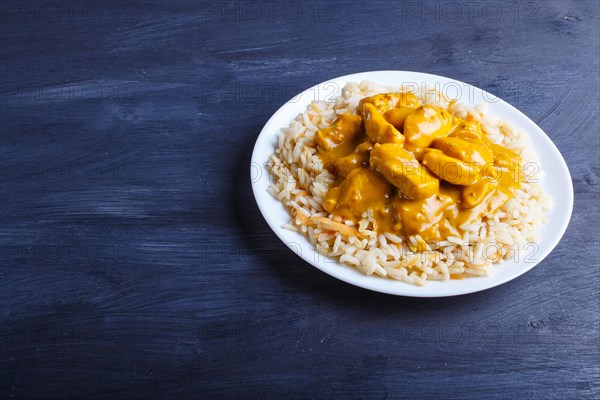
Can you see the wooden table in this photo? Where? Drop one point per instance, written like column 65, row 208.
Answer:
column 135, row 262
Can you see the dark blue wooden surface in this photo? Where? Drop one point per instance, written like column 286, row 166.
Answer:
column 135, row 263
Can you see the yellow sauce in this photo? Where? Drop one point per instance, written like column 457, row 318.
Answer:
column 418, row 169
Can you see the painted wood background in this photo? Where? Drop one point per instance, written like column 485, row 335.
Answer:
column 135, row 263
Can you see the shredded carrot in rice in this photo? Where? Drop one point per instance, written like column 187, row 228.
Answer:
column 304, row 220
column 330, row 225
column 299, row 217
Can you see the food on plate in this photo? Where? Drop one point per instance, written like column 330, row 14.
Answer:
column 407, row 185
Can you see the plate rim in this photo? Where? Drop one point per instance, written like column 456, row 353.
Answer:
column 371, row 282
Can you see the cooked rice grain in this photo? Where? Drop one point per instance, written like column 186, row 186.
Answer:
column 301, row 182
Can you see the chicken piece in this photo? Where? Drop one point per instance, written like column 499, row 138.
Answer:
column 359, row 158
column 472, row 195
column 468, row 129
column 417, row 216
column 378, row 129
column 345, row 128
column 424, row 125
column 470, row 151
column 472, row 132
column 361, row 190
column 408, row 100
column 451, row 169
column 387, row 101
column 419, row 153
column 397, row 116
column 400, row 168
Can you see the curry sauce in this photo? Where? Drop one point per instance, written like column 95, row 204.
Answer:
column 416, row 168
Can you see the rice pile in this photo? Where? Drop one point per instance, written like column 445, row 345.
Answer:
column 301, row 182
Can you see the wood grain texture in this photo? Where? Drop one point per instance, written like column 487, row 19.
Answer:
column 135, row 262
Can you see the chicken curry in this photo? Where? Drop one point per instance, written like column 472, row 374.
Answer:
column 417, row 168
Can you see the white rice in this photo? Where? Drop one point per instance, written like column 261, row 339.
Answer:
column 301, row 182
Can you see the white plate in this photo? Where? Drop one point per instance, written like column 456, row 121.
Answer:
column 559, row 186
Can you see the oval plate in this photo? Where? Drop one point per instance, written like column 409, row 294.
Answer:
column 560, row 187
